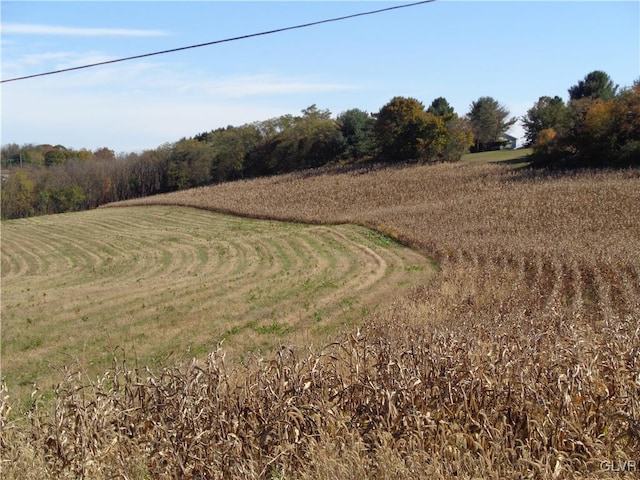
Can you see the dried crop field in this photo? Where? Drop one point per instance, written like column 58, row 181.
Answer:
column 543, row 241
column 520, row 360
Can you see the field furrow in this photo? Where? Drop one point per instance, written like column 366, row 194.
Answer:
column 152, row 281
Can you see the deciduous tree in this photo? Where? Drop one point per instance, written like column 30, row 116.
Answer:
column 545, row 143
column 546, row 113
column 230, row 148
column 400, row 129
column 104, row 154
column 459, row 139
column 189, row 164
column 18, row 195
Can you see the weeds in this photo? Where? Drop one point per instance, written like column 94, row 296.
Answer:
column 422, row 398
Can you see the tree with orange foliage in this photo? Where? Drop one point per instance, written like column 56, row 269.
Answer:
column 611, row 128
column 546, row 142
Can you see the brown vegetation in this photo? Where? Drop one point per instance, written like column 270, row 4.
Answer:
column 521, row 360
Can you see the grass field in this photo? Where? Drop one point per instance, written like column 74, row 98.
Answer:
column 519, row 359
column 163, row 284
column 516, row 158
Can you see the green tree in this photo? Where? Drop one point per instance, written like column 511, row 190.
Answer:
column 230, row 147
column 17, row 195
column 312, row 141
column 441, row 108
column 294, row 143
column 67, row 199
column 55, row 156
column 402, row 130
column 356, row 127
column 10, row 152
column 610, row 130
column 459, row 139
column 627, row 111
column 314, row 112
column 596, row 84
column 603, row 127
column 189, row 164
column 324, row 144
column 432, row 138
column 489, row 120
column 14, row 155
column 546, row 113
column 28, row 154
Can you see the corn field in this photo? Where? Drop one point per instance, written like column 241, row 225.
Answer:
column 521, row 359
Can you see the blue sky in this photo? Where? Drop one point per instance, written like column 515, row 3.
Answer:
column 513, row 51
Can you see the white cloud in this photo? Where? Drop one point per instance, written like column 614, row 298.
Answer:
column 60, row 59
column 142, row 104
column 33, row 29
column 264, row 84
column 162, row 75
column 33, row 63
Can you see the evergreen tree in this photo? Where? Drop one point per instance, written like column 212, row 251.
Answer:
column 489, row 120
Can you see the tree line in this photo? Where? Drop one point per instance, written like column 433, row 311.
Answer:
column 598, row 126
column 45, row 179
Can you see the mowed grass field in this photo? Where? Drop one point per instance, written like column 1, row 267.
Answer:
column 160, row 285
column 519, row 358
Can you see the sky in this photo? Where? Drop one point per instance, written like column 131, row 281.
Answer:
column 513, row 51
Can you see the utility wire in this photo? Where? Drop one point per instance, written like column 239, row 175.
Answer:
column 269, row 32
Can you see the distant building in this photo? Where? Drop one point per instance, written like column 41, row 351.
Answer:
column 509, row 142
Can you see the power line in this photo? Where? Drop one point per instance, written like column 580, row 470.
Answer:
column 269, row 32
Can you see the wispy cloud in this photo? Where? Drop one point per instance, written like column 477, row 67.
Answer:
column 61, row 59
column 15, row 66
column 130, row 107
column 34, row 29
column 262, row 84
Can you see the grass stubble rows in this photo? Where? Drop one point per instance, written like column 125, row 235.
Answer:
column 175, row 281
column 521, row 359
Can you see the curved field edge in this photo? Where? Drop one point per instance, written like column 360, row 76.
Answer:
column 443, row 208
column 540, row 237
column 520, row 360
column 167, row 283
